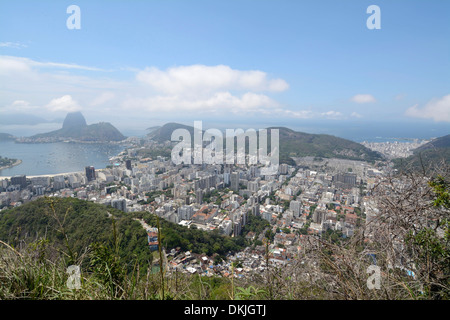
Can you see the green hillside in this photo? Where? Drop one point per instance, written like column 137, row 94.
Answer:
column 103, row 131
column 164, row 133
column 40, row 239
column 72, row 226
column 428, row 155
column 295, row 144
column 85, row 223
column 300, row 144
column 438, row 143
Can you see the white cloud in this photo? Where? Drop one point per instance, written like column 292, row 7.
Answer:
column 299, row 114
column 278, row 85
column 27, row 64
column 363, row 98
column 64, row 66
column 102, row 98
column 19, row 106
column 219, row 102
column 436, row 109
column 355, row 115
column 213, row 89
column 218, row 90
column 11, row 65
column 20, row 103
column 39, row 82
column 332, row 114
column 15, row 45
column 64, row 103
column 309, row 114
column 206, row 79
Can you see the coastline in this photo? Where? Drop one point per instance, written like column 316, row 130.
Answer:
column 18, row 161
column 123, row 143
column 51, row 175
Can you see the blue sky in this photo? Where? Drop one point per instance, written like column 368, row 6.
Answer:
column 141, row 63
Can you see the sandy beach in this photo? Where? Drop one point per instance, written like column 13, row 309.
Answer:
column 46, row 175
column 52, row 174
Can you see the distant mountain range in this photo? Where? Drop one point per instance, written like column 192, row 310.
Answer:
column 75, row 128
column 24, row 119
column 6, row 137
column 151, row 129
column 293, row 144
column 432, row 153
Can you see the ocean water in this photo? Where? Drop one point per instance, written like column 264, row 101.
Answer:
column 59, row 157
column 53, row 158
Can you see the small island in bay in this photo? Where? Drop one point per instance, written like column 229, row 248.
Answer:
column 6, row 162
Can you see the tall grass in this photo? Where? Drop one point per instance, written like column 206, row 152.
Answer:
column 29, row 273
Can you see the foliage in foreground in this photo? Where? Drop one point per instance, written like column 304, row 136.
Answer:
column 406, row 239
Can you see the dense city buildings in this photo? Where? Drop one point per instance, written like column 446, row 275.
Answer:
column 311, row 199
column 395, row 149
